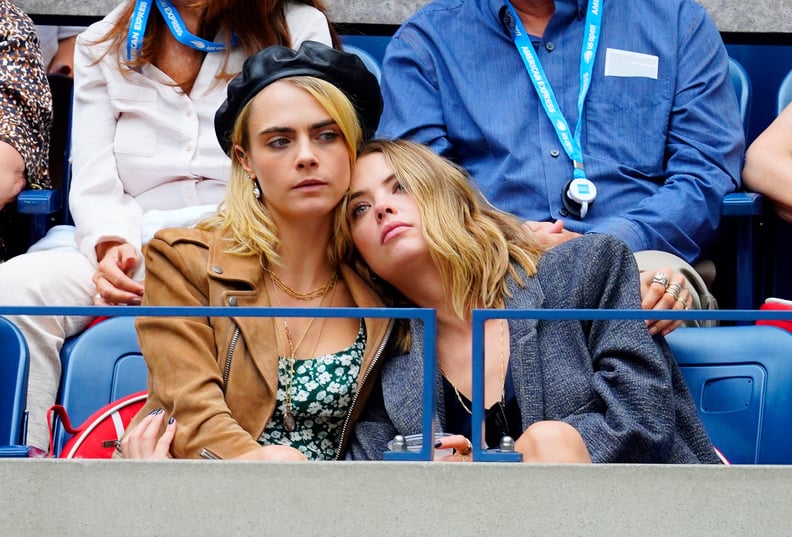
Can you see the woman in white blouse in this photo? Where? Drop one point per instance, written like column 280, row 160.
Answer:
column 148, row 80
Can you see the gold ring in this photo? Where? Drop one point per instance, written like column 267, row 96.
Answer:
column 466, row 451
column 674, row 289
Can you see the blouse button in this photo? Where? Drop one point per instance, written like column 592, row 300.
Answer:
column 549, row 46
column 554, row 153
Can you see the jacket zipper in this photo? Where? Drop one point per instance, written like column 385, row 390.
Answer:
column 205, row 452
column 362, row 383
column 231, row 348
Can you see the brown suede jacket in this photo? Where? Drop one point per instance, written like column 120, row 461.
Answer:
column 187, row 356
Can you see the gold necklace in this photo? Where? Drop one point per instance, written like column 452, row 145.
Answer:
column 503, row 376
column 289, row 422
column 309, row 295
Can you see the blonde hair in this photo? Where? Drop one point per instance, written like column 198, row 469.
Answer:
column 473, row 245
column 246, row 220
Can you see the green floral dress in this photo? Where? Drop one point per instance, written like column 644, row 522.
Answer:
column 322, row 392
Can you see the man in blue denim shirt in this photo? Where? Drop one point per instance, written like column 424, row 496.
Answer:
column 660, row 134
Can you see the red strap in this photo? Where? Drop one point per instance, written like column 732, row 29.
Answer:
column 60, row 412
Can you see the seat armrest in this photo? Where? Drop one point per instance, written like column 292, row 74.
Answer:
column 742, row 204
column 39, row 201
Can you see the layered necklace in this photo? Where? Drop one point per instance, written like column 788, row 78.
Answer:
column 502, row 358
column 289, row 421
column 322, row 290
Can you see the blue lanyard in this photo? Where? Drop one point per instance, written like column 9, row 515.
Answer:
column 522, row 41
column 137, row 29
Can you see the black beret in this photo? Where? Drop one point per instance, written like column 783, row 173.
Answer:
column 345, row 71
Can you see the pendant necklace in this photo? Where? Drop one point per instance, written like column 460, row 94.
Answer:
column 289, row 421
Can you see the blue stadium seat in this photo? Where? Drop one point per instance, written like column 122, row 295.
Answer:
column 743, row 206
column 371, row 63
column 14, row 363
column 49, row 207
column 740, row 378
column 784, row 93
column 743, row 89
column 100, row 365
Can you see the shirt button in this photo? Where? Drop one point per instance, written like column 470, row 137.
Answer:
column 188, row 113
column 554, row 153
column 188, row 148
column 549, row 46
column 563, row 212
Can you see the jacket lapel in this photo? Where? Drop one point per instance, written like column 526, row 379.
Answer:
column 242, row 285
column 402, row 386
column 525, row 364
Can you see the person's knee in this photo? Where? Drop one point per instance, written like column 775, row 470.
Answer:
column 553, row 442
column 29, row 279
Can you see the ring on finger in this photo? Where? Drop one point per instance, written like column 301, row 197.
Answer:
column 674, row 289
column 466, row 450
column 660, row 278
column 98, row 296
column 683, row 302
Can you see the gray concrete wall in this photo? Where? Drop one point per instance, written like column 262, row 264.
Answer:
column 730, row 15
column 197, row 498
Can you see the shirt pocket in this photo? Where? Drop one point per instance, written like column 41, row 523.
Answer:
column 626, row 122
column 138, row 119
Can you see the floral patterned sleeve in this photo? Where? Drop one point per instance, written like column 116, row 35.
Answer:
column 25, row 99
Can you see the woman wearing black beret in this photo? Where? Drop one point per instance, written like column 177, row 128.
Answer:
column 268, row 388
column 148, row 79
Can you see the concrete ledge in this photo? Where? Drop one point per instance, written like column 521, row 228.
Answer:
column 197, row 498
column 730, row 15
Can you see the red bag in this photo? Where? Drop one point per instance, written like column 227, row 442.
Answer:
column 777, row 304
column 97, row 437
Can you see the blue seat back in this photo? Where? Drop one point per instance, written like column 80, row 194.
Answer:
column 371, row 63
column 14, row 363
column 742, row 87
column 784, row 96
column 102, row 364
column 740, row 378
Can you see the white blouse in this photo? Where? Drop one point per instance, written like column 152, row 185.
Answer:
column 144, row 154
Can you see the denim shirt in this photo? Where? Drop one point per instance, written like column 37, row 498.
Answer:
column 662, row 151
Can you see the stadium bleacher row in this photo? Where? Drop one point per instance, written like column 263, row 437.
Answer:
column 739, row 387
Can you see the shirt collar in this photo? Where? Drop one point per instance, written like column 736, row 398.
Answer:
column 500, row 11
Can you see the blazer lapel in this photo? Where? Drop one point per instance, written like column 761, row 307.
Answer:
column 525, row 363
column 402, row 386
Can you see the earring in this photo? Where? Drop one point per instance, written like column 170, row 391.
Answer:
column 256, row 189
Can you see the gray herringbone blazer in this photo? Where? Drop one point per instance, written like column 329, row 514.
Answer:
column 610, row 380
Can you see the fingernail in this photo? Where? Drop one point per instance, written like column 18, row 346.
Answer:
column 155, row 411
column 652, row 331
column 160, row 411
column 171, row 421
column 438, row 444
